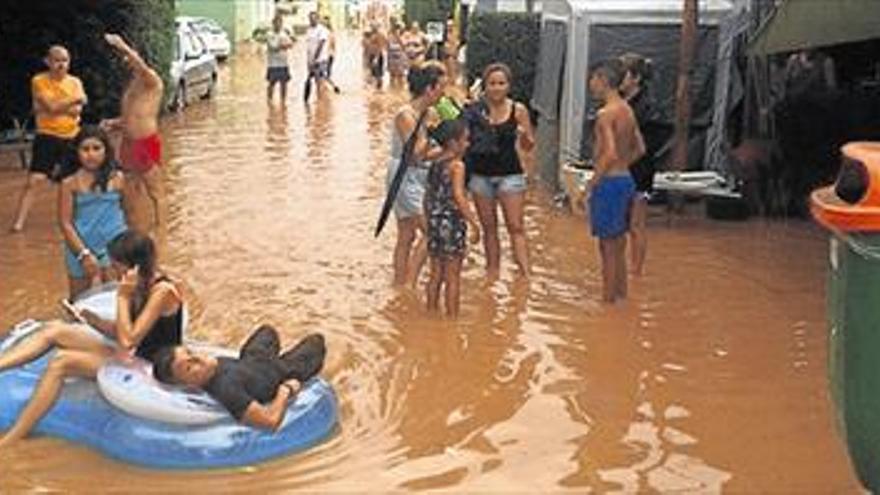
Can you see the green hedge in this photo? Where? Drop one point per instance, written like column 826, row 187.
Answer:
column 29, row 27
column 506, row 37
column 426, row 10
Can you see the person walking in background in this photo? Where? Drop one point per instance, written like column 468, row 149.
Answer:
column 140, row 153
column 317, row 54
column 450, row 50
column 397, row 61
column 331, row 47
column 331, row 43
column 332, row 58
column 90, row 212
column 633, row 89
column 448, row 215
column 376, row 44
column 426, row 85
column 617, row 144
column 58, row 100
column 278, row 44
column 498, row 126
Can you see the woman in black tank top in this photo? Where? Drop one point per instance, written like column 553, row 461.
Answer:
column 149, row 315
column 499, row 132
column 633, row 88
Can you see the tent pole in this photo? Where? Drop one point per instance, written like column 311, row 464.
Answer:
column 682, row 91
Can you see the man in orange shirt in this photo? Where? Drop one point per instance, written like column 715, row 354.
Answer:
column 58, row 100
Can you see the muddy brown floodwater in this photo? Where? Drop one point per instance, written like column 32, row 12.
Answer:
column 711, row 377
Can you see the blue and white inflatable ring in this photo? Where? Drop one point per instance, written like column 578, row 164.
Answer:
column 132, row 418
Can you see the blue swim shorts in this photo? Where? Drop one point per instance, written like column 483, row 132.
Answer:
column 609, row 205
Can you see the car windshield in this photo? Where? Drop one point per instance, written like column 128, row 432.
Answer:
column 209, row 26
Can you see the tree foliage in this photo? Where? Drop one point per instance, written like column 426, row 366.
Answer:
column 28, row 28
column 511, row 38
column 427, row 10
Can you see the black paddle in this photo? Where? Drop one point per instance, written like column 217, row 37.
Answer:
column 397, row 180
column 307, row 90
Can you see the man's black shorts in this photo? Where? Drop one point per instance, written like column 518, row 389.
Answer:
column 52, row 156
column 277, row 74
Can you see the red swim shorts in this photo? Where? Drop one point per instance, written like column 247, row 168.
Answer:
column 141, row 155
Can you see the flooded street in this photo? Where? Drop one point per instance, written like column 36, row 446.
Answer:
column 711, row 377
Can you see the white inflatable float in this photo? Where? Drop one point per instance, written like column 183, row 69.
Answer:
column 133, row 418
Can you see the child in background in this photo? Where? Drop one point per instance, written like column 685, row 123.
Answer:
column 90, row 210
column 447, row 209
column 617, row 144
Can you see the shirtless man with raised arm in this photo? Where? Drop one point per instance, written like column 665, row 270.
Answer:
column 617, row 144
column 141, row 150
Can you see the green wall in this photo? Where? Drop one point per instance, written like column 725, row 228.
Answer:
column 238, row 17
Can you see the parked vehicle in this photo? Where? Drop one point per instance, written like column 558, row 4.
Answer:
column 193, row 68
column 212, row 33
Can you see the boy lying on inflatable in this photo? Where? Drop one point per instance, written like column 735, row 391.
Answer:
column 257, row 386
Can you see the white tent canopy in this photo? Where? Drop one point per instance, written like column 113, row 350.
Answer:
column 582, row 21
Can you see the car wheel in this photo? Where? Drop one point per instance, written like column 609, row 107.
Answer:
column 179, row 102
column 211, row 87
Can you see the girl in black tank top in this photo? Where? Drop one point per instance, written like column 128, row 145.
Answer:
column 139, row 326
column 502, row 159
column 167, row 330
column 496, row 173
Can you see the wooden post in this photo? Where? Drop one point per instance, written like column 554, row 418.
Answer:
column 682, row 92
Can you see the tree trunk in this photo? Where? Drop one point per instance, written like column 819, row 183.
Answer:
column 682, row 92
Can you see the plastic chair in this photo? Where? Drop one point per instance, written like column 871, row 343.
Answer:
column 17, row 139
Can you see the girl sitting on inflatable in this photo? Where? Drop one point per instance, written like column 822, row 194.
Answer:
column 149, row 315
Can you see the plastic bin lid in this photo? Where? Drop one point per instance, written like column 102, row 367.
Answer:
column 863, row 216
column 835, row 214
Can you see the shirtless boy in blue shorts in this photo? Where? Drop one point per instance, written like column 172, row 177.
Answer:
column 617, row 144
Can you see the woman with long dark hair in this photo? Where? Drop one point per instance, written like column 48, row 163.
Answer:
column 497, row 174
column 90, row 211
column 149, row 315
